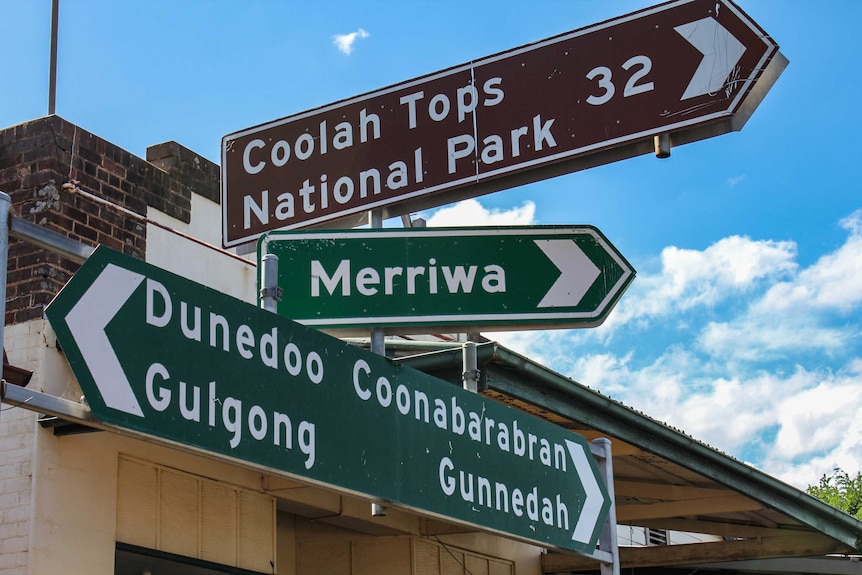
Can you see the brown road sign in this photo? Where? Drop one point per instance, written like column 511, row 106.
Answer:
column 689, row 68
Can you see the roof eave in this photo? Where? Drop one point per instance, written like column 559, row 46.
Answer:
column 537, row 385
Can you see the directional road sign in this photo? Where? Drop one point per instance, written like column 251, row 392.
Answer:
column 476, row 279
column 178, row 362
column 689, row 68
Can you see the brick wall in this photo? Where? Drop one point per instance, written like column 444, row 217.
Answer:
column 188, row 170
column 38, row 157
column 16, row 447
column 36, row 160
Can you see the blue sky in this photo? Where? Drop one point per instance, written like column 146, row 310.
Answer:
column 743, row 325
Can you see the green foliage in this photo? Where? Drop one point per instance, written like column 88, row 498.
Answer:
column 841, row 491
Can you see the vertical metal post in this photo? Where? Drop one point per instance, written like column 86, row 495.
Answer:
column 52, row 74
column 662, row 146
column 608, row 539
column 375, row 219
column 378, row 341
column 470, row 370
column 5, row 202
column 269, row 292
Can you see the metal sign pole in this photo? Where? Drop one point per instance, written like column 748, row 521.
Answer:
column 270, row 293
column 5, row 202
column 609, row 551
column 52, row 73
column 378, row 340
column 470, row 371
column 10, row 226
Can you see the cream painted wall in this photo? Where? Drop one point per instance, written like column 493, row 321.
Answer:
column 286, row 543
column 32, row 346
column 66, row 506
column 74, row 512
column 205, row 265
column 74, row 504
column 527, row 558
column 17, row 428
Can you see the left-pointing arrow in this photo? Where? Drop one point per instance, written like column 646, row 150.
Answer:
column 87, row 321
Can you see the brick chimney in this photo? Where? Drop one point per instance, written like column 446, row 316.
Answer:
column 37, row 158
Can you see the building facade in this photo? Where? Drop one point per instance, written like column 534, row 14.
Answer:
column 87, row 501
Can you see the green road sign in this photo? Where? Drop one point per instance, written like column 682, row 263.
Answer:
column 424, row 280
column 171, row 359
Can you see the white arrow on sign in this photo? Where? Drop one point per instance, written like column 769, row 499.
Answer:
column 721, row 52
column 592, row 509
column 87, row 321
column 578, row 273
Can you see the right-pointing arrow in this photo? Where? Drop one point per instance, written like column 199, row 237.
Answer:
column 87, row 321
column 721, row 52
column 592, row 509
column 578, row 273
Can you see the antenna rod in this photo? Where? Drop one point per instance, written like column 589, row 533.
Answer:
column 52, row 78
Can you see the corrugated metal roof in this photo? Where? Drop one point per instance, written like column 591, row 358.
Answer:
column 664, row 478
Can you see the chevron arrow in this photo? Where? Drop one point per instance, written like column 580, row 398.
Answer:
column 87, row 321
column 593, row 506
column 578, row 273
column 721, row 52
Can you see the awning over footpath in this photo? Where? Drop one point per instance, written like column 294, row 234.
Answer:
column 664, row 479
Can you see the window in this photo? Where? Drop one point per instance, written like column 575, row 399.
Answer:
column 656, row 537
column 133, row 560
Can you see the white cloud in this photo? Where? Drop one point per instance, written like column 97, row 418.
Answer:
column 737, row 380
column 344, row 42
column 753, row 311
column 803, row 424
column 691, row 278
column 735, row 181
column 813, row 419
column 762, row 338
column 853, row 223
column 548, row 347
column 820, row 429
column 798, row 314
column 472, row 213
column 833, row 283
